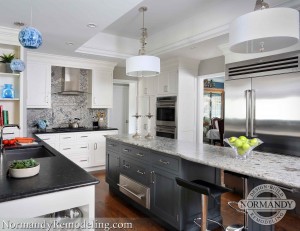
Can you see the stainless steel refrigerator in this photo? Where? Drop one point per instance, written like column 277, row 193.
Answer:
column 262, row 99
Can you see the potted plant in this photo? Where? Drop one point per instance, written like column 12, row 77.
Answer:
column 6, row 59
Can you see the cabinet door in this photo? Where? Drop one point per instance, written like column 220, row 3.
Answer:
column 147, row 86
column 38, row 85
column 165, row 196
column 112, row 168
column 168, row 82
column 102, row 89
column 99, row 146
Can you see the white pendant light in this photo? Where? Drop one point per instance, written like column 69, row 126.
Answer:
column 143, row 65
column 264, row 29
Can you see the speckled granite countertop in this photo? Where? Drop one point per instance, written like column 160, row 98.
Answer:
column 280, row 169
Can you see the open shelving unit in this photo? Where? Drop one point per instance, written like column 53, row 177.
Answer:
column 9, row 44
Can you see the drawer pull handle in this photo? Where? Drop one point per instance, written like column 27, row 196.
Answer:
column 125, row 150
column 126, row 165
column 67, row 137
column 164, row 162
column 84, row 147
column 83, row 136
column 142, row 173
column 66, row 148
column 46, row 139
column 8, row 133
column 140, row 196
column 139, row 154
column 83, row 160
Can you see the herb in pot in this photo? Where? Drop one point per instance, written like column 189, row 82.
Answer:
column 7, row 58
column 21, row 164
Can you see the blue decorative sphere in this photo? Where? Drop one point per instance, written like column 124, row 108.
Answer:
column 31, row 38
column 17, row 65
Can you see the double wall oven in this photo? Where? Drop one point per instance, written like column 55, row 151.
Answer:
column 166, row 118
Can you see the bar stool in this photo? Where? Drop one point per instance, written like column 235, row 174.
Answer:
column 206, row 189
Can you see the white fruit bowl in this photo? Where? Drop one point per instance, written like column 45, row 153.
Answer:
column 24, row 172
column 239, row 152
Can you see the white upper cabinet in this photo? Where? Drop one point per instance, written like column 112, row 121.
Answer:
column 101, row 88
column 167, row 83
column 38, row 84
column 147, row 86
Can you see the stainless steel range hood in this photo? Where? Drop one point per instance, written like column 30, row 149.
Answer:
column 71, row 82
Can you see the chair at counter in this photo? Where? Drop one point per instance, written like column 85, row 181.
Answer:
column 216, row 133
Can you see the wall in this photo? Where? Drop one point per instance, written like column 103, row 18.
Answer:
column 212, row 66
column 64, row 107
column 120, row 73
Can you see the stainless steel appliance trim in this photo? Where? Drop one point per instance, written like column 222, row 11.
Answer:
column 252, row 118
column 140, row 196
column 165, row 123
column 165, row 106
column 247, row 112
column 135, row 190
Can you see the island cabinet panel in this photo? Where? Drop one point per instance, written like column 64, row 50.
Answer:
column 112, row 168
column 165, row 196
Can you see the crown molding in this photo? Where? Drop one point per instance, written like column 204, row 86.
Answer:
column 101, row 52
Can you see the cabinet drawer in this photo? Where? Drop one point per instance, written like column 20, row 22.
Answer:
column 84, row 136
column 112, row 146
column 78, row 148
column 71, row 137
column 11, row 132
column 165, row 162
column 82, row 161
column 139, row 154
column 49, row 138
column 135, row 171
column 127, row 150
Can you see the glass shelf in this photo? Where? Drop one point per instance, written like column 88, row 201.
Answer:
column 9, row 74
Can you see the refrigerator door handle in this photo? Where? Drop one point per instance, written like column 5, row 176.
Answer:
column 252, row 115
column 247, row 92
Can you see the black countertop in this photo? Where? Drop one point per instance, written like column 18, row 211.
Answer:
column 57, row 173
column 48, row 131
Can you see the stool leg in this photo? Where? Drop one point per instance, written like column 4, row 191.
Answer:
column 245, row 189
column 204, row 202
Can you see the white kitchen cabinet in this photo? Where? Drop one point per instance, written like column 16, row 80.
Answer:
column 11, row 133
column 167, row 83
column 101, row 88
column 147, row 86
column 38, row 84
column 86, row 149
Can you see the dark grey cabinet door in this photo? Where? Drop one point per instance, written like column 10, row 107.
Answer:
column 165, row 197
column 112, row 168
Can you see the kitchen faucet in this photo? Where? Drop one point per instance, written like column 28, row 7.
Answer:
column 1, row 138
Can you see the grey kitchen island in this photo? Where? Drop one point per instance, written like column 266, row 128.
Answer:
column 154, row 164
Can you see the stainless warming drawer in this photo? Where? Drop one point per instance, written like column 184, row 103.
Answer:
column 136, row 191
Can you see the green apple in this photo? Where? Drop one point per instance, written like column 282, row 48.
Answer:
column 232, row 139
column 253, row 142
column 241, row 151
column 243, row 138
column 238, row 143
column 246, row 147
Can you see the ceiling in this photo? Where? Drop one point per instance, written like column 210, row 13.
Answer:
column 191, row 28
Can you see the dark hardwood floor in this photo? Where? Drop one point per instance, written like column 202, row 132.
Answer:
column 111, row 206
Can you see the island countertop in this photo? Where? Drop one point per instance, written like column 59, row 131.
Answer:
column 281, row 169
column 57, row 173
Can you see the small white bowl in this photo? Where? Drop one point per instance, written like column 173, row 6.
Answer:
column 24, row 172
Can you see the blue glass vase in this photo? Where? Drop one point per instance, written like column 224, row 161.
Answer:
column 17, row 65
column 8, row 91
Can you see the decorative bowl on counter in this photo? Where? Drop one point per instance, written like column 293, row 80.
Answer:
column 24, row 168
column 243, row 146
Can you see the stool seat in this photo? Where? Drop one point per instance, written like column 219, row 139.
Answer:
column 203, row 187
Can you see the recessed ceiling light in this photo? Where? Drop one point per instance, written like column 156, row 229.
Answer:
column 91, row 25
column 19, row 23
column 70, row 43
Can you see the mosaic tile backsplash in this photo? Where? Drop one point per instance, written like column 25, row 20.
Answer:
column 64, row 107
